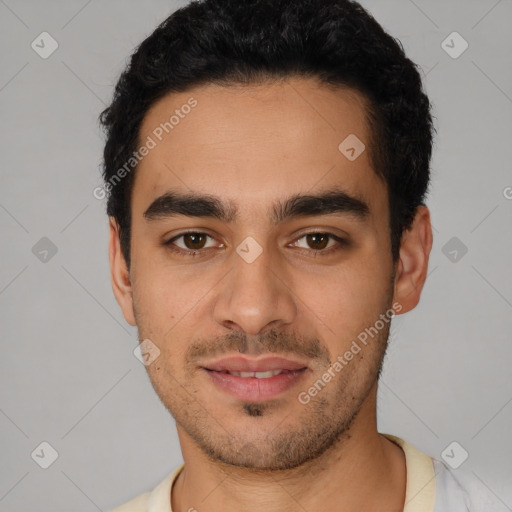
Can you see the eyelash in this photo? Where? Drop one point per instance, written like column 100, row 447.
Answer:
column 342, row 243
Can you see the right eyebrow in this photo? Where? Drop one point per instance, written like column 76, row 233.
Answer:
column 172, row 204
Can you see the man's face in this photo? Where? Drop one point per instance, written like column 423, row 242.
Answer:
column 260, row 283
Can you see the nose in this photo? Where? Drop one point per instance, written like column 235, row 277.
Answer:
column 254, row 296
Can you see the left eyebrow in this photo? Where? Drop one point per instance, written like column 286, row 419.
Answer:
column 331, row 201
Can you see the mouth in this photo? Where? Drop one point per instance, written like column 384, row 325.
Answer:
column 255, row 380
column 257, row 375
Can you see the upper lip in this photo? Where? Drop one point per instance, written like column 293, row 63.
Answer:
column 244, row 364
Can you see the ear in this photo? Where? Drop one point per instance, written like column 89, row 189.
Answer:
column 412, row 264
column 120, row 275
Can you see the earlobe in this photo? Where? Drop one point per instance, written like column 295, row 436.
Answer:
column 412, row 266
column 120, row 275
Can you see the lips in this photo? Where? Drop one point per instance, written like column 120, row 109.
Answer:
column 255, row 380
column 257, row 375
column 241, row 364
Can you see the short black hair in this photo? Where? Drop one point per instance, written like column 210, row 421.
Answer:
column 244, row 42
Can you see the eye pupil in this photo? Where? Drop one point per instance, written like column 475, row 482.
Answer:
column 313, row 239
column 194, row 237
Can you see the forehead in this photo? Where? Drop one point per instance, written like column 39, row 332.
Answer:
column 252, row 143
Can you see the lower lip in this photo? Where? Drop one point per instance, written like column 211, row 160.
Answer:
column 254, row 389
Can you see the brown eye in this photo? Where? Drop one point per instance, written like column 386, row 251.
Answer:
column 190, row 243
column 321, row 243
column 317, row 241
column 194, row 241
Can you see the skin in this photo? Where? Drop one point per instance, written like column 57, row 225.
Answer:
column 254, row 145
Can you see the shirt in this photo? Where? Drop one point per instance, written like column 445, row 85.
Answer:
column 432, row 486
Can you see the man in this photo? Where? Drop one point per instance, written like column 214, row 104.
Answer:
column 267, row 164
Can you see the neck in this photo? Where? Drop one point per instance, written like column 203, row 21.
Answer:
column 363, row 470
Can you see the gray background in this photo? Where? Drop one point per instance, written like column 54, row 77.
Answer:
column 68, row 373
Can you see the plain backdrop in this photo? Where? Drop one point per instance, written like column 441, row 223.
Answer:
column 69, row 376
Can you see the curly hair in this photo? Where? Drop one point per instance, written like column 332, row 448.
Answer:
column 233, row 42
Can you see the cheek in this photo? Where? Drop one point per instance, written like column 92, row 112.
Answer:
column 349, row 299
column 158, row 303
column 170, row 302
